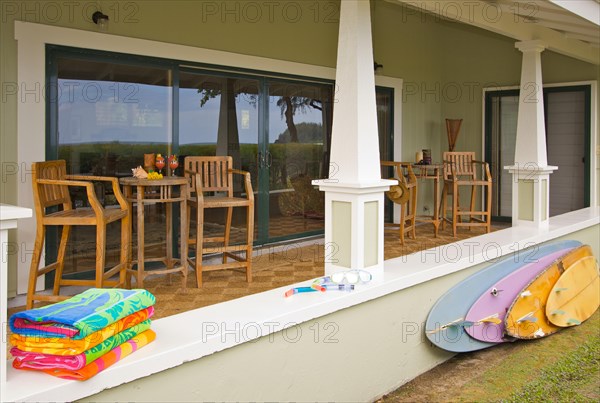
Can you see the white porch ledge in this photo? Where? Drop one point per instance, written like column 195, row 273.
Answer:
column 205, row 331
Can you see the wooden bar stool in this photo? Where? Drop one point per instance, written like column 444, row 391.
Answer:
column 461, row 170
column 404, row 194
column 215, row 175
column 51, row 188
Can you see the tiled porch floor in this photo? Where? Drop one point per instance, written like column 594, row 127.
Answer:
column 273, row 269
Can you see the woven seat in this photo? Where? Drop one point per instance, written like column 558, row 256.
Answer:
column 214, row 175
column 461, row 170
column 51, row 188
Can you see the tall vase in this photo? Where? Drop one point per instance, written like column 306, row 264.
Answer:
column 453, row 128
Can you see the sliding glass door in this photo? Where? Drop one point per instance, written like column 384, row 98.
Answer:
column 295, row 151
column 106, row 110
column 102, row 117
column 218, row 115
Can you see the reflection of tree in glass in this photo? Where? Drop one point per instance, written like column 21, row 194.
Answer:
column 288, row 105
column 308, row 132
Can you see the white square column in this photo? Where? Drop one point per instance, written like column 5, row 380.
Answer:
column 354, row 219
column 354, row 191
column 530, row 195
column 531, row 172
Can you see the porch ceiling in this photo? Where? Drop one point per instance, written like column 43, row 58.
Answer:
column 569, row 27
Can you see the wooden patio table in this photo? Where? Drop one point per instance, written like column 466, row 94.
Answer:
column 431, row 172
column 152, row 191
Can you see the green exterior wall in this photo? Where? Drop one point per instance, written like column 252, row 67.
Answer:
column 435, row 58
column 372, row 348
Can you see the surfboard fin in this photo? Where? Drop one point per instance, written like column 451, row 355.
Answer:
column 490, row 319
column 560, row 289
column 456, row 323
column 526, row 294
column 558, row 312
column 527, row 318
column 573, row 321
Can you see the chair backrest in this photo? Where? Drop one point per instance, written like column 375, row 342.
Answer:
column 461, row 162
column 50, row 195
column 214, row 172
column 402, row 171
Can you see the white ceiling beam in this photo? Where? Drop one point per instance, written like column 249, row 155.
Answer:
column 492, row 17
column 592, row 34
column 588, row 9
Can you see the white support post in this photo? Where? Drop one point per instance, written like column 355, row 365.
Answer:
column 354, row 191
column 8, row 220
column 531, row 173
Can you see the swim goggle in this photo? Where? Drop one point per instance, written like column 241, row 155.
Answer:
column 346, row 277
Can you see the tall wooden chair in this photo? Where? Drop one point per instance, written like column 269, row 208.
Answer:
column 51, row 188
column 462, row 170
column 214, row 175
column 404, row 194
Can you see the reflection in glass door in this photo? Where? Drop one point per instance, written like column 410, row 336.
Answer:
column 103, row 117
column 218, row 115
column 299, row 121
column 281, row 139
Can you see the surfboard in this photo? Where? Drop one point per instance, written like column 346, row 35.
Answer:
column 488, row 312
column 526, row 318
column 446, row 321
column 576, row 295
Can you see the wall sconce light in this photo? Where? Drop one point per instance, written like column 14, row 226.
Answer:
column 101, row 20
column 377, row 66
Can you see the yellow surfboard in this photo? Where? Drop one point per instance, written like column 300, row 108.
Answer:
column 576, row 295
column 526, row 318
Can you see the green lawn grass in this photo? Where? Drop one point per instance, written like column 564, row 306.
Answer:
column 564, row 367
column 544, row 369
column 573, row 378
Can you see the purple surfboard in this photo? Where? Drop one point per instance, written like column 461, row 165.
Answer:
column 488, row 312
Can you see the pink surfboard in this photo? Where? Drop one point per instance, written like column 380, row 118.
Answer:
column 488, row 312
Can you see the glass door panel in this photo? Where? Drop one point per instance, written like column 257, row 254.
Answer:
column 109, row 115
column 385, row 106
column 299, row 122
column 218, row 115
column 567, row 117
column 503, row 118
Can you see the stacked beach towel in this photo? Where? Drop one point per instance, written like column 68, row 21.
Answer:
column 79, row 337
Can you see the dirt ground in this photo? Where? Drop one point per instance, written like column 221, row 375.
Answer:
column 494, row 373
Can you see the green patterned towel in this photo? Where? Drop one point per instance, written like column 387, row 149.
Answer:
column 82, row 314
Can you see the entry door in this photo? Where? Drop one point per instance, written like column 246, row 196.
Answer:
column 566, row 126
column 567, row 115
